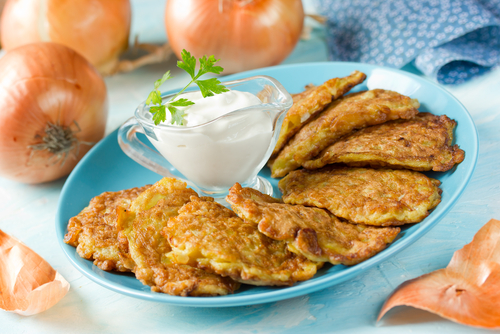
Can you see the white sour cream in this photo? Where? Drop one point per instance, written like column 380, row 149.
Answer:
column 212, row 107
column 216, row 155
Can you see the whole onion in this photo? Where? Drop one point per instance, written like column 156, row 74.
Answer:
column 97, row 29
column 244, row 34
column 53, row 108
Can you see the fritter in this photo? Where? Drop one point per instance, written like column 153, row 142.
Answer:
column 207, row 235
column 379, row 197
column 351, row 112
column 311, row 102
column 314, row 233
column 422, row 144
column 93, row 231
column 140, row 235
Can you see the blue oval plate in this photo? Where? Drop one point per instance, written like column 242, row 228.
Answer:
column 107, row 168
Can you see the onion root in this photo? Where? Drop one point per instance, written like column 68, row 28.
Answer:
column 59, row 140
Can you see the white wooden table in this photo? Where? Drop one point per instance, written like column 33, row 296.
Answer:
column 28, row 212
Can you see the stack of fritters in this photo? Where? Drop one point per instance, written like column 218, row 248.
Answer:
column 378, row 129
column 341, row 117
column 133, row 225
column 184, row 245
column 181, row 244
column 369, row 128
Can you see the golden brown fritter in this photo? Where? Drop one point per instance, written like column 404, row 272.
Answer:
column 351, row 112
column 93, row 231
column 422, row 143
column 207, row 235
column 311, row 102
column 314, row 233
column 140, row 232
column 380, row 197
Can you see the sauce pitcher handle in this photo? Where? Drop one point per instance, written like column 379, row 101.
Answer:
column 132, row 146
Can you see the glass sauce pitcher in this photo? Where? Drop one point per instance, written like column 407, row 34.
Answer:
column 213, row 156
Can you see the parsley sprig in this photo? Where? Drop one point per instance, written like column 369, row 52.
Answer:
column 208, row 87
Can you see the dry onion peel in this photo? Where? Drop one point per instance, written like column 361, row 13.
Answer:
column 155, row 54
column 467, row 291
column 244, row 34
column 53, row 107
column 28, row 284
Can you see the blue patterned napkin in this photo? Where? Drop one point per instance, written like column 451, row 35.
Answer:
column 450, row 40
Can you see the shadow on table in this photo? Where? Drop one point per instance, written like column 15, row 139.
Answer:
column 405, row 315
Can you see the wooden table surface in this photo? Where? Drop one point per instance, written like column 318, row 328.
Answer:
column 28, row 213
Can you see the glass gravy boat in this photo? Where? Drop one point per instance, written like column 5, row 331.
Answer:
column 213, row 156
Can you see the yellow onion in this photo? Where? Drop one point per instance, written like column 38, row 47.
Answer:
column 53, row 108
column 97, row 29
column 244, row 34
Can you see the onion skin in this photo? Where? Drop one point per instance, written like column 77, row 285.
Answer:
column 244, row 34
column 41, row 83
column 28, row 283
column 97, row 29
column 467, row 291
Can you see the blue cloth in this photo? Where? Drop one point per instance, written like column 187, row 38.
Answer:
column 450, row 40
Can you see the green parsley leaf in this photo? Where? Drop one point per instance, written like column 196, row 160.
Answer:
column 150, row 97
column 158, row 111
column 208, row 87
column 211, row 86
column 177, row 115
column 181, row 103
column 154, row 97
column 160, row 82
column 159, row 114
column 207, row 66
column 188, row 63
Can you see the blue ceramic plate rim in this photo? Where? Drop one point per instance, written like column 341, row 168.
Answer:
column 322, row 282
